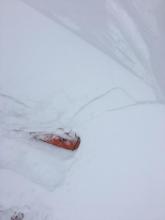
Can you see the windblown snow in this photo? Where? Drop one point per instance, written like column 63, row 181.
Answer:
column 51, row 78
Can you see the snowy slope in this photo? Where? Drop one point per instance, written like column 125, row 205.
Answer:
column 116, row 27
column 50, row 78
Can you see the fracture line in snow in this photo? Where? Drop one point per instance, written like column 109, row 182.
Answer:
column 123, row 107
column 138, row 103
column 98, row 98
column 14, row 100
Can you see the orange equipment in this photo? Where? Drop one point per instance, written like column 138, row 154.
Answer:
column 67, row 140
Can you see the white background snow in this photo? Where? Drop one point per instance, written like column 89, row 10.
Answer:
column 95, row 68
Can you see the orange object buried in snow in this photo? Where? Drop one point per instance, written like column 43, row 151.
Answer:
column 66, row 140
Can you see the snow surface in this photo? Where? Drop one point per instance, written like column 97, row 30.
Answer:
column 130, row 31
column 51, row 78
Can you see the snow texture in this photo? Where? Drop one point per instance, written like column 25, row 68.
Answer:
column 105, row 88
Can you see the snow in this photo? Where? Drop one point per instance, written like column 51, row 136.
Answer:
column 131, row 32
column 51, row 78
column 121, row 176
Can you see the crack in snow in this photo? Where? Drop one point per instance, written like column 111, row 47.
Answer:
column 84, row 106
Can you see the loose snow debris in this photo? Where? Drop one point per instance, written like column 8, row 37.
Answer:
column 17, row 216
